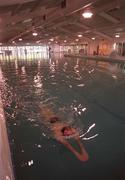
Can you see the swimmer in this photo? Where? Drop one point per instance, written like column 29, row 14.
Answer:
column 63, row 131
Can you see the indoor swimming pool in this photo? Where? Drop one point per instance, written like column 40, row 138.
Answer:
column 88, row 95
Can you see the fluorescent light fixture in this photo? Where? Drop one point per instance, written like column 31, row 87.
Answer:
column 27, row 20
column 13, row 42
column 79, row 35
column 117, row 35
column 51, row 39
column 35, row 34
column 20, row 39
column 87, row 14
column 77, row 40
column 93, row 38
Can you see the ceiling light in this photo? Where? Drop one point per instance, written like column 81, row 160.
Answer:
column 117, row 35
column 93, row 38
column 65, row 41
column 13, row 42
column 27, row 20
column 87, row 14
column 87, row 31
column 77, row 40
column 13, row 23
column 20, row 39
column 79, row 35
column 35, row 33
column 51, row 39
column 38, row 41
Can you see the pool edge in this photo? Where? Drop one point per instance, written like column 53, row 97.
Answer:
column 6, row 168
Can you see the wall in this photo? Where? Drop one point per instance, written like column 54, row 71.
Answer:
column 104, row 47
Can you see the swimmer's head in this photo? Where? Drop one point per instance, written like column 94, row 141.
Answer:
column 67, row 131
column 54, row 119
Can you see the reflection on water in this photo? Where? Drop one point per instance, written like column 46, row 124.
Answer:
column 88, row 95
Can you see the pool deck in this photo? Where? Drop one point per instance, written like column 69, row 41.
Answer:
column 97, row 58
column 6, row 170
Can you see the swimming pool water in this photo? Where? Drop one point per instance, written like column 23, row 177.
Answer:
column 83, row 93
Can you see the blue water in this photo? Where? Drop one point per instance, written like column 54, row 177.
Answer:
column 83, row 93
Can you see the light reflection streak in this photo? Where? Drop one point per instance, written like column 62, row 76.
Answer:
column 44, row 134
column 38, row 65
column 23, row 74
column 79, row 108
column 92, row 126
column 77, row 72
column 81, row 85
column 23, row 70
column 52, row 66
column 92, row 137
column 114, row 77
column 91, row 71
column 1, row 76
column 39, row 146
column 65, row 66
column 37, row 81
column 84, row 109
column 16, row 66
column 22, row 151
column 30, row 163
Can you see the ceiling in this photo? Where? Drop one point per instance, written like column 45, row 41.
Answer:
column 60, row 20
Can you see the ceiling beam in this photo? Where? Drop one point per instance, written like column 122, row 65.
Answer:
column 63, row 21
column 59, row 13
column 82, row 25
column 94, row 31
column 108, row 17
column 14, row 12
column 36, row 5
column 77, row 5
column 102, row 35
column 65, row 30
column 109, row 5
column 58, row 24
column 71, row 34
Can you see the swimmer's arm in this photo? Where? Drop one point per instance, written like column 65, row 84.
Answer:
column 77, row 138
column 82, row 156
